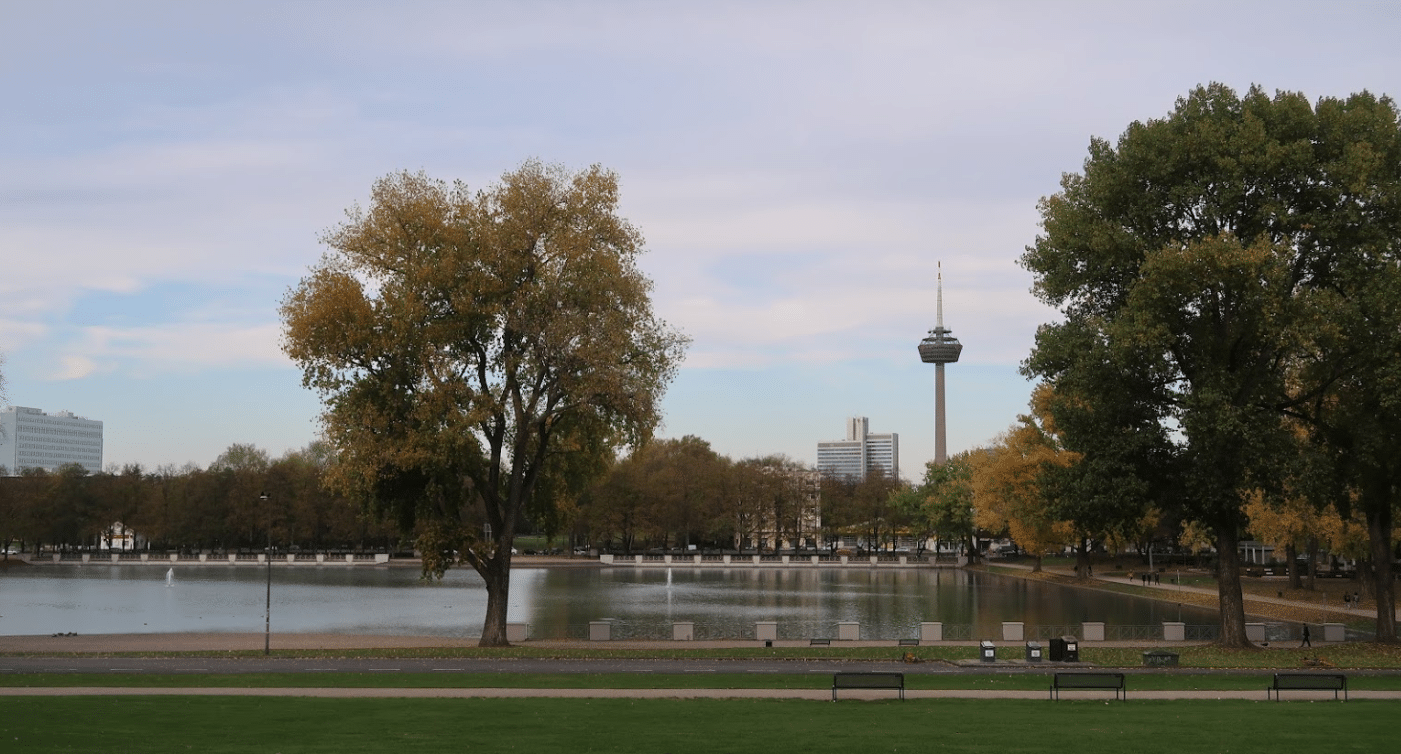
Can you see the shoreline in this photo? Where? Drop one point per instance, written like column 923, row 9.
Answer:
column 525, row 561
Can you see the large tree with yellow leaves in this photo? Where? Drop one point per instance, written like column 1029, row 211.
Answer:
column 479, row 353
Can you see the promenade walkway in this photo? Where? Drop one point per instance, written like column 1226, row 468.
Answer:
column 661, row 693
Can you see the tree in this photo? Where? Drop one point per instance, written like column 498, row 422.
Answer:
column 254, row 516
column 1006, row 485
column 470, row 346
column 1195, row 254
column 1356, row 419
column 946, row 501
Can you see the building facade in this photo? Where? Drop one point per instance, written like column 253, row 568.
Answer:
column 860, row 453
column 32, row 439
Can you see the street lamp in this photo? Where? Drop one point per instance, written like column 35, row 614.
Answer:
column 267, row 615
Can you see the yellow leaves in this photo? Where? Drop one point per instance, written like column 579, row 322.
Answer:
column 1196, row 537
column 1294, row 521
column 1006, row 480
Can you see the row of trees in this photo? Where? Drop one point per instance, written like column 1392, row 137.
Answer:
column 244, row 500
column 680, row 493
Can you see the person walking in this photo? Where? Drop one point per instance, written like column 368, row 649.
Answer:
column 1305, row 642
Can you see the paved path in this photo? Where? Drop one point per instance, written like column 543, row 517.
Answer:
column 809, row 694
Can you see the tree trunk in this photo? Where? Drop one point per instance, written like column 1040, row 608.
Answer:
column 1295, row 580
column 1313, row 563
column 1082, row 558
column 1230, row 599
column 1379, row 534
column 497, row 576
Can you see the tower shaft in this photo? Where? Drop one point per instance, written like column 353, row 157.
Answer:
column 940, row 441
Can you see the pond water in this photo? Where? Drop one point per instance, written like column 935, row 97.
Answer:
column 556, row 602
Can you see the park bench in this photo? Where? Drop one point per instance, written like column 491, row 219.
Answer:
column 868, row 681
column 909, row 642
column 819, row 642
column 1333, row 682
column 1107, row 681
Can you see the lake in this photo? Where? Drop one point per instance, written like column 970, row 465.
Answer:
column 723, row 603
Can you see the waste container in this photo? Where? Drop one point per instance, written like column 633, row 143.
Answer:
column 1058, row 650
column 1072, row 649
column 1033, row 651
column 988, row 651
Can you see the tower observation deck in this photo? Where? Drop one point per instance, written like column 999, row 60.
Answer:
column 940, row 348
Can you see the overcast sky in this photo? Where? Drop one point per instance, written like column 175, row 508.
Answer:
column 799, row 170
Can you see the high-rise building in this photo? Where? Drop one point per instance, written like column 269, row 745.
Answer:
column 940, row 348
column 32, row 439
column 860, row 452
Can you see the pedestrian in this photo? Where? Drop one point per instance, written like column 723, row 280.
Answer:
column 1306, row 642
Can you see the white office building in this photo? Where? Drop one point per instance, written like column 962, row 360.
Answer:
column 32, row 439
column 860, row 452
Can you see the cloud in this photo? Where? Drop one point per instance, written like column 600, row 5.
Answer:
column 75, row 368
column 176, row 347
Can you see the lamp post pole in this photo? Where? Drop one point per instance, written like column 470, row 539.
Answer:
column 267, row 615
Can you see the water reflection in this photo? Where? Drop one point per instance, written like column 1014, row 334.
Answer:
column 557, row 603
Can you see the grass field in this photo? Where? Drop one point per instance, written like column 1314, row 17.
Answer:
column 1352, row 655
column 214, row 725
column 981, row 681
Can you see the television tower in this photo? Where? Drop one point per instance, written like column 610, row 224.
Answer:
column 940, row 348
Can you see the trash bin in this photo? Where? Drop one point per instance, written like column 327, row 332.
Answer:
column 1033, row 651
column 988, row 651
column 1072, row 649
column 1058, row 650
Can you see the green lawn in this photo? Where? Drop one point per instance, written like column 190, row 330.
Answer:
column 1352, row 655
column 213, row 725
column 1245, row 681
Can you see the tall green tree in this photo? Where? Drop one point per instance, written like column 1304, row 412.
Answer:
column 942, row 503
column 1356, row 420
column 462, row 340
column 1188, row 261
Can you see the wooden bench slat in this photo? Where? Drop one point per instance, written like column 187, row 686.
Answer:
column 868, row 681
column 1082, row 681
column 1333, row 682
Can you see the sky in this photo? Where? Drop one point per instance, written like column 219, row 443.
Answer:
column 802, row 172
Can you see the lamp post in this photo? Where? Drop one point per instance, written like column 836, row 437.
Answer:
column 267, row 615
